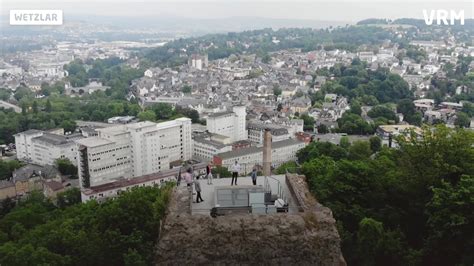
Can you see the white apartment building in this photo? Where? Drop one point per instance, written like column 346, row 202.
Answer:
column 206, row 148
column 198, row 61
column 50, row 147
column 104, row 158
column 282, row 151
column 367, row 56
column 133, row 150
column 42, row 148
column 230, row 123
column 24, row 143
column 256, row 131
column 292, row 125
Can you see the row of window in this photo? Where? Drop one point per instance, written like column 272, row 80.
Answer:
column 110, row 166
column 111, row 150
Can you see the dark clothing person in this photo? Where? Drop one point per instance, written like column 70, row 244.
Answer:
column 198, row 197
column 254, row 177
column 197, row 185
column 178, row 178
column 235, row 173
column 234, row 178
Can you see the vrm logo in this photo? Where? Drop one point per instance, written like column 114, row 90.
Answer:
column 442, row 17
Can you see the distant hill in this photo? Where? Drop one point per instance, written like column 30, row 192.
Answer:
column 420, row 23
column 194, row 26
column 204, row 26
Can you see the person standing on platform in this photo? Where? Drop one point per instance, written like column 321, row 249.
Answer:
column 254, row 176
column 197, row 186
column 178, row 178
column 188, row 178
column 235, row 173
column 209, row 174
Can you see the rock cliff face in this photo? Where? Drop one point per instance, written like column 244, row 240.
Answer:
column 307, row 238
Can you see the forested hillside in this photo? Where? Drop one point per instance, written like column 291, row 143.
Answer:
column 122, row 231
column 407, row 206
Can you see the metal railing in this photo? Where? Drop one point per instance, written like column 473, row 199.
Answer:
column 281, row 193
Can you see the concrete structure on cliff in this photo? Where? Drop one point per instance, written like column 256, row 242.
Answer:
column 274, row 221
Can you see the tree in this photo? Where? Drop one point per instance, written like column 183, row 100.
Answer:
column 266, row 58
column 48, row 107
column 308, row 122
column 322, row 129
column 4, row 94
column 277, row 90
column 5, row 207
column 163, row 111
column 407, row 108
column 68, row 125
column 356, row 108
column 68, row 198
column 344, row 142
column 222, row 171
column 450, row 239
column 186, row 89
column 462, row 120
column 354, row 124
column 379, row 245
column 287, row 166
column 147, row 116
column 375, row 144
column 35, row 107
column 133, row 258
column 393, row 187
column 359, row 150
column 187, row 112
column 122, row 231
column 65, row 167
column 316, row 149
column 382, row 111
column 369, row 236
column 7, row 168
column 23, row 92
column 468, row 108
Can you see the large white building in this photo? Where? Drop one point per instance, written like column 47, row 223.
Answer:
column 198, row 61
column 256, row 132
column 229, row 123
column 24, row 143
column 205, row 146
column 44, row 148
column 281, row 152
column 133, row 150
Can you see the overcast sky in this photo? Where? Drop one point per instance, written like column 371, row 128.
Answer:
column 339, row 10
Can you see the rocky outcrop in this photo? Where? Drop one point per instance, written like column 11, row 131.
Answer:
column 306, row 238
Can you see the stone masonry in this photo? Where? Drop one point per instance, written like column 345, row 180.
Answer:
column 306, row 238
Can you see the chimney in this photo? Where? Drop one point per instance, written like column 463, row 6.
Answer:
column 267, row 153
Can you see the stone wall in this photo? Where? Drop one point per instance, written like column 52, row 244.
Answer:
column 306, row 238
